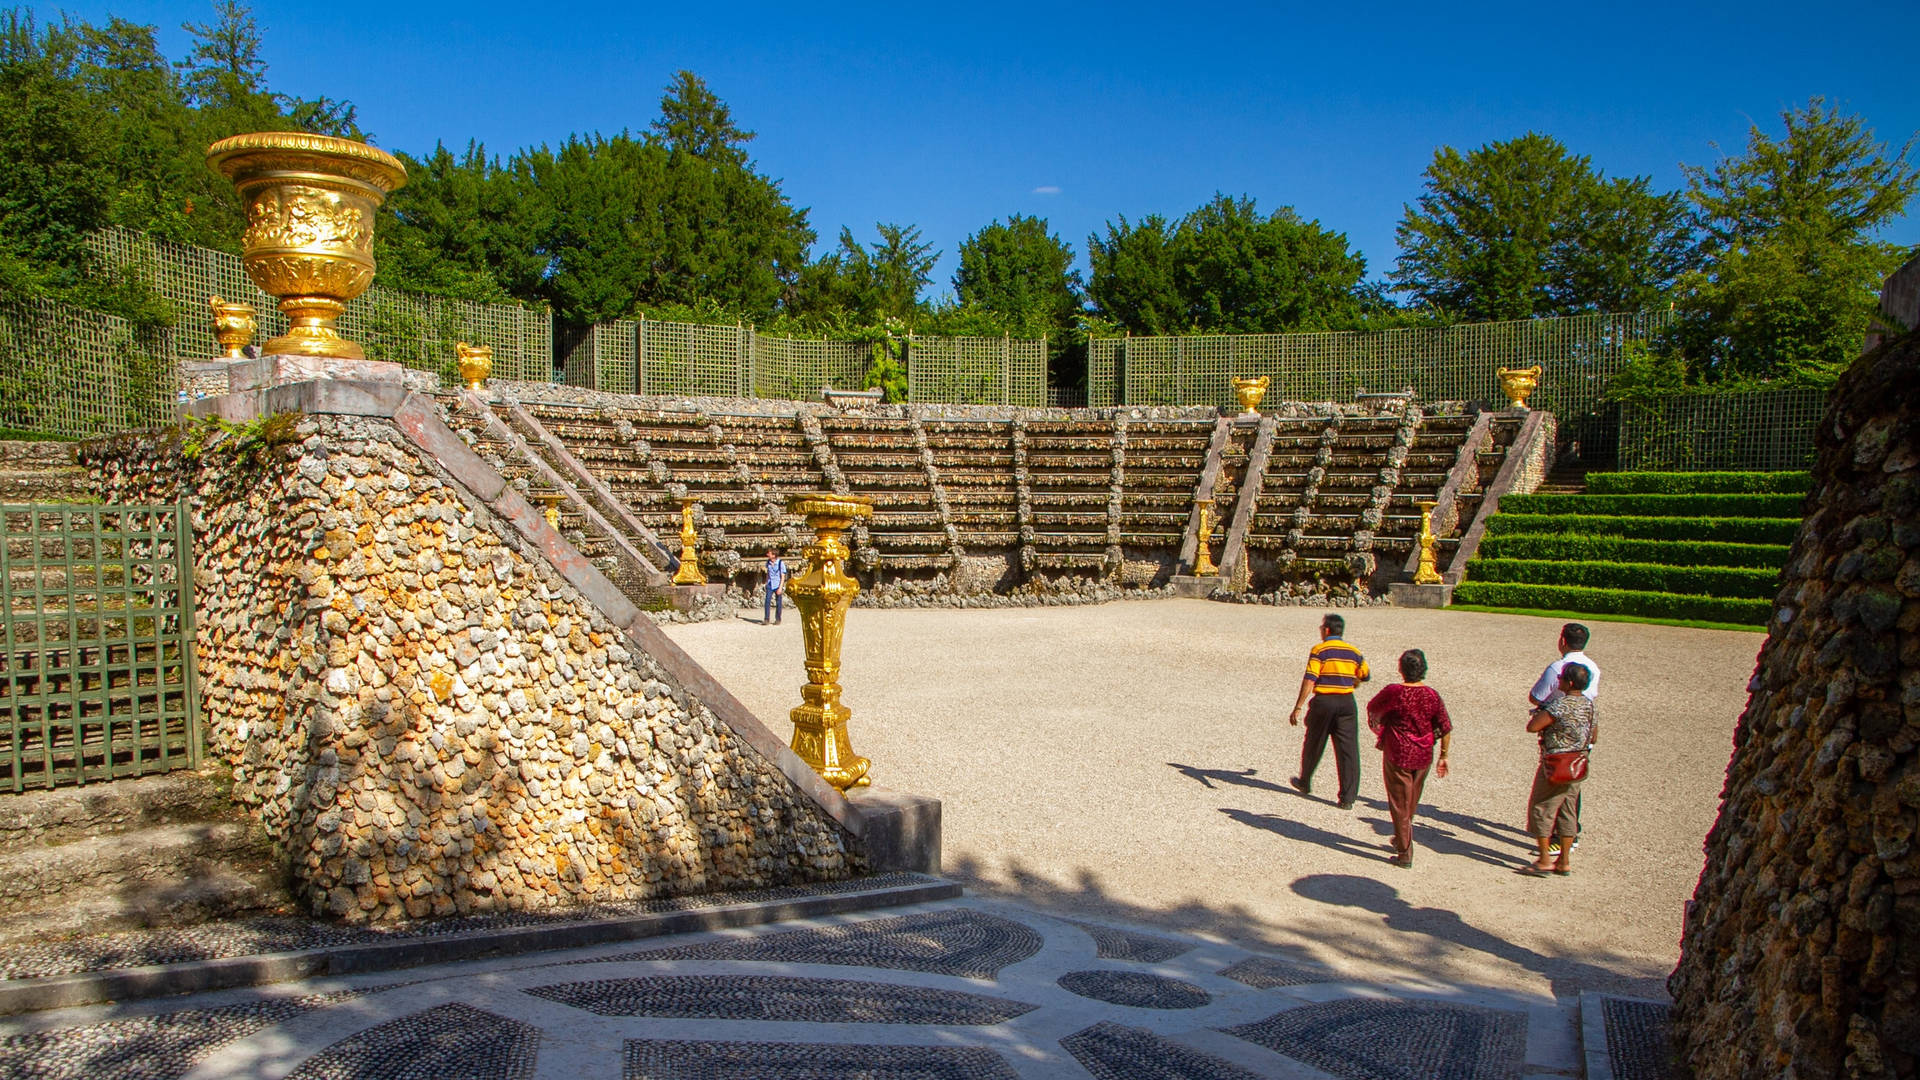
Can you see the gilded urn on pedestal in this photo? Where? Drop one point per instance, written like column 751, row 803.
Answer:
column 1518, row 383
column 1248, row 391
column 310, row 202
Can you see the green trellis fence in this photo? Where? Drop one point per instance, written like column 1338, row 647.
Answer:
column 97, row 678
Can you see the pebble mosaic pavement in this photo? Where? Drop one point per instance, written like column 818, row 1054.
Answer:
column 967, row 989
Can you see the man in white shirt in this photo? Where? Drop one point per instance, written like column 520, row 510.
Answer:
column 1573, row 639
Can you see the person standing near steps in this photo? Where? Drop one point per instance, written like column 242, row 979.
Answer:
column 1334, row 670
column 1572, row 646
column 775, row 602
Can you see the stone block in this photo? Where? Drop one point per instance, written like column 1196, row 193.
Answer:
column 900, row 831
column 1407, row 594
column 686, row 597
column 280, row 368
column 1196, row 588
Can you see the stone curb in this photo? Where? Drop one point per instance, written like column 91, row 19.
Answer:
column 194, row 976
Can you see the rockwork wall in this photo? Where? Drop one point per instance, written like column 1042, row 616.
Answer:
column 428, row 716
column 1801, row 955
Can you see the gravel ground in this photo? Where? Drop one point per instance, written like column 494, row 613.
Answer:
column 1130, row 761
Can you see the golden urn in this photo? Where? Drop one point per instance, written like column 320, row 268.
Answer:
column 1249, row 391
column 689, row 572
column 310, row 202
column 232, row 327
column 823, row 593
column 1517, row 383
column 476, row 363
column 1428, row 571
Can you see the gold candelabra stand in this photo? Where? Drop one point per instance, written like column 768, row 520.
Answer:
column 1427, row 573
column 232, row 327
column 689, row 572
column 551, row 500
column 823, row 593
column 1203, row 557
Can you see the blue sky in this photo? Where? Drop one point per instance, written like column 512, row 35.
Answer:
column 949, row 116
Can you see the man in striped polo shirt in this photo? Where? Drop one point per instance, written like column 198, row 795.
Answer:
column 1334, row 669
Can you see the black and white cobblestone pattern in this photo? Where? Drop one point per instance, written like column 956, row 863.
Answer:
column 452, row 1040
column 1116, row 1052
column 660, row 1060
column 958, row 942
column 1384, row 1039
column 781, row 998
column 1135, row 989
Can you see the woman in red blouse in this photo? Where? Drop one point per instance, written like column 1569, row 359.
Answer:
column 1408, row 716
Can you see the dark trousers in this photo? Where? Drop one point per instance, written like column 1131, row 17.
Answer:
column 773, row 605
column 1333, row 716
column 1403, row 798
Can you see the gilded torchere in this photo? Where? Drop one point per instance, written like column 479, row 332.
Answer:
column 1517, row 383
column 310, row 202
column 1428, row 573
column 551, row 500
column 823, row 594
column 689, row 572
column 476, row 363
column 1249, row 390
column 1203, row 558
column 232, row 327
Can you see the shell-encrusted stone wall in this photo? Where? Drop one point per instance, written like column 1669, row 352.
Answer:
column 428, row 717
column 1801, row 956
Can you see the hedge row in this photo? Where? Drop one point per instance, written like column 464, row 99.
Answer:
column 1752, row 506
column 1648, row 577
column 1768, row 557
column 1700, row 483
column 1732, row 530
column 1653, row 605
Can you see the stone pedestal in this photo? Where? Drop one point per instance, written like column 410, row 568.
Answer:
column 1196, row 588
column 1407, row 594
column 900, row 831
column 684, row 597
column 280, row 369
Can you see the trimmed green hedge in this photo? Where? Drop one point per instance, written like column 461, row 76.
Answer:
column 1573, row 598
column 1768, row 557
column 1751, row 506
column 1700, row 483
column 1732, row 530
column 1649, row 577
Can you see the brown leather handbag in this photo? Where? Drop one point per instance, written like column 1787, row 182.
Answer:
column 1565, row 768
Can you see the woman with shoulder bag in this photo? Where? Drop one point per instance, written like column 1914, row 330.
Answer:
column 1565, row 725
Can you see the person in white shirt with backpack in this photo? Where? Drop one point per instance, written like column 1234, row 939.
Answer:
column 1573, row 642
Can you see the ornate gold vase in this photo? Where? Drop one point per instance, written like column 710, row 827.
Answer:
column 310, row 202
column 232, row 327
column 689, row 572
column 1517, row 383
column 823, row 594
column 1203, row 558
column 1428, row 572
column 1249, row 391
column 476, row 363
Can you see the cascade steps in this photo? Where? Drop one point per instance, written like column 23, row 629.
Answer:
column 41, row 472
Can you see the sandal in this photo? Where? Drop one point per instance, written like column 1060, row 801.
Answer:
column 1562, row 869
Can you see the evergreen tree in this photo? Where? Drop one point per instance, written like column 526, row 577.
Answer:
column 1023, row 275
column 1133, row 281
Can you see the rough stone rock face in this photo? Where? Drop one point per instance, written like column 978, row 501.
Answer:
column 427, row 717
column 1801, row 956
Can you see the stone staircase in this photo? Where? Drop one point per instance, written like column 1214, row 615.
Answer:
column 170, row 850
column 40, row 472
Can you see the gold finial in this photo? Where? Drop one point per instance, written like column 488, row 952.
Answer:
column 1203, row 559
column 823, row 593
column 1428, row 573
column 689, row 572
column 476, row 363
column 552, row 500
column 310, row 202
column 232, row 327
column 1517, row 383
column 1249, row 390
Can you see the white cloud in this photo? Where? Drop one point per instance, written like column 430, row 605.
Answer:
column 1047, row 189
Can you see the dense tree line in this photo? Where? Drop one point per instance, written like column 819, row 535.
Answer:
column 1767, row 257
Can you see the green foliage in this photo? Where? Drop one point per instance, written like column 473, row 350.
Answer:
column 1728, row 483
column 1578, row 548
column 1643, row 577
column 1648, row 376
column 1226, row 268
column 866, row 285
column 1763, row 505
column 1790, row 272
column 1023, row 274
column 1522, row 228
column 1590, row 616
column 1580, row 600
column 253, row 442
column 1727, row 530
column 886, row 371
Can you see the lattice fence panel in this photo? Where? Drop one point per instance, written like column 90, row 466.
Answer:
column 1027, row 372
column 96, row 644
column 408, row 328
column 958, row 370
column 797, row 368
column 699, row 361
column 1103, row 371
column 65, row 370
column 605, row 356
column 1767, row 430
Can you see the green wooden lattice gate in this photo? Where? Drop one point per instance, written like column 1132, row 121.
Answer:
column 97, row 678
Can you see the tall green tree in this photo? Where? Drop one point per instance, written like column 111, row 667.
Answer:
column 1021, row 273
column 1227, row 268
column 1522, row 228
column 451, row 229
column 867, row 284
column 1790, row 267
